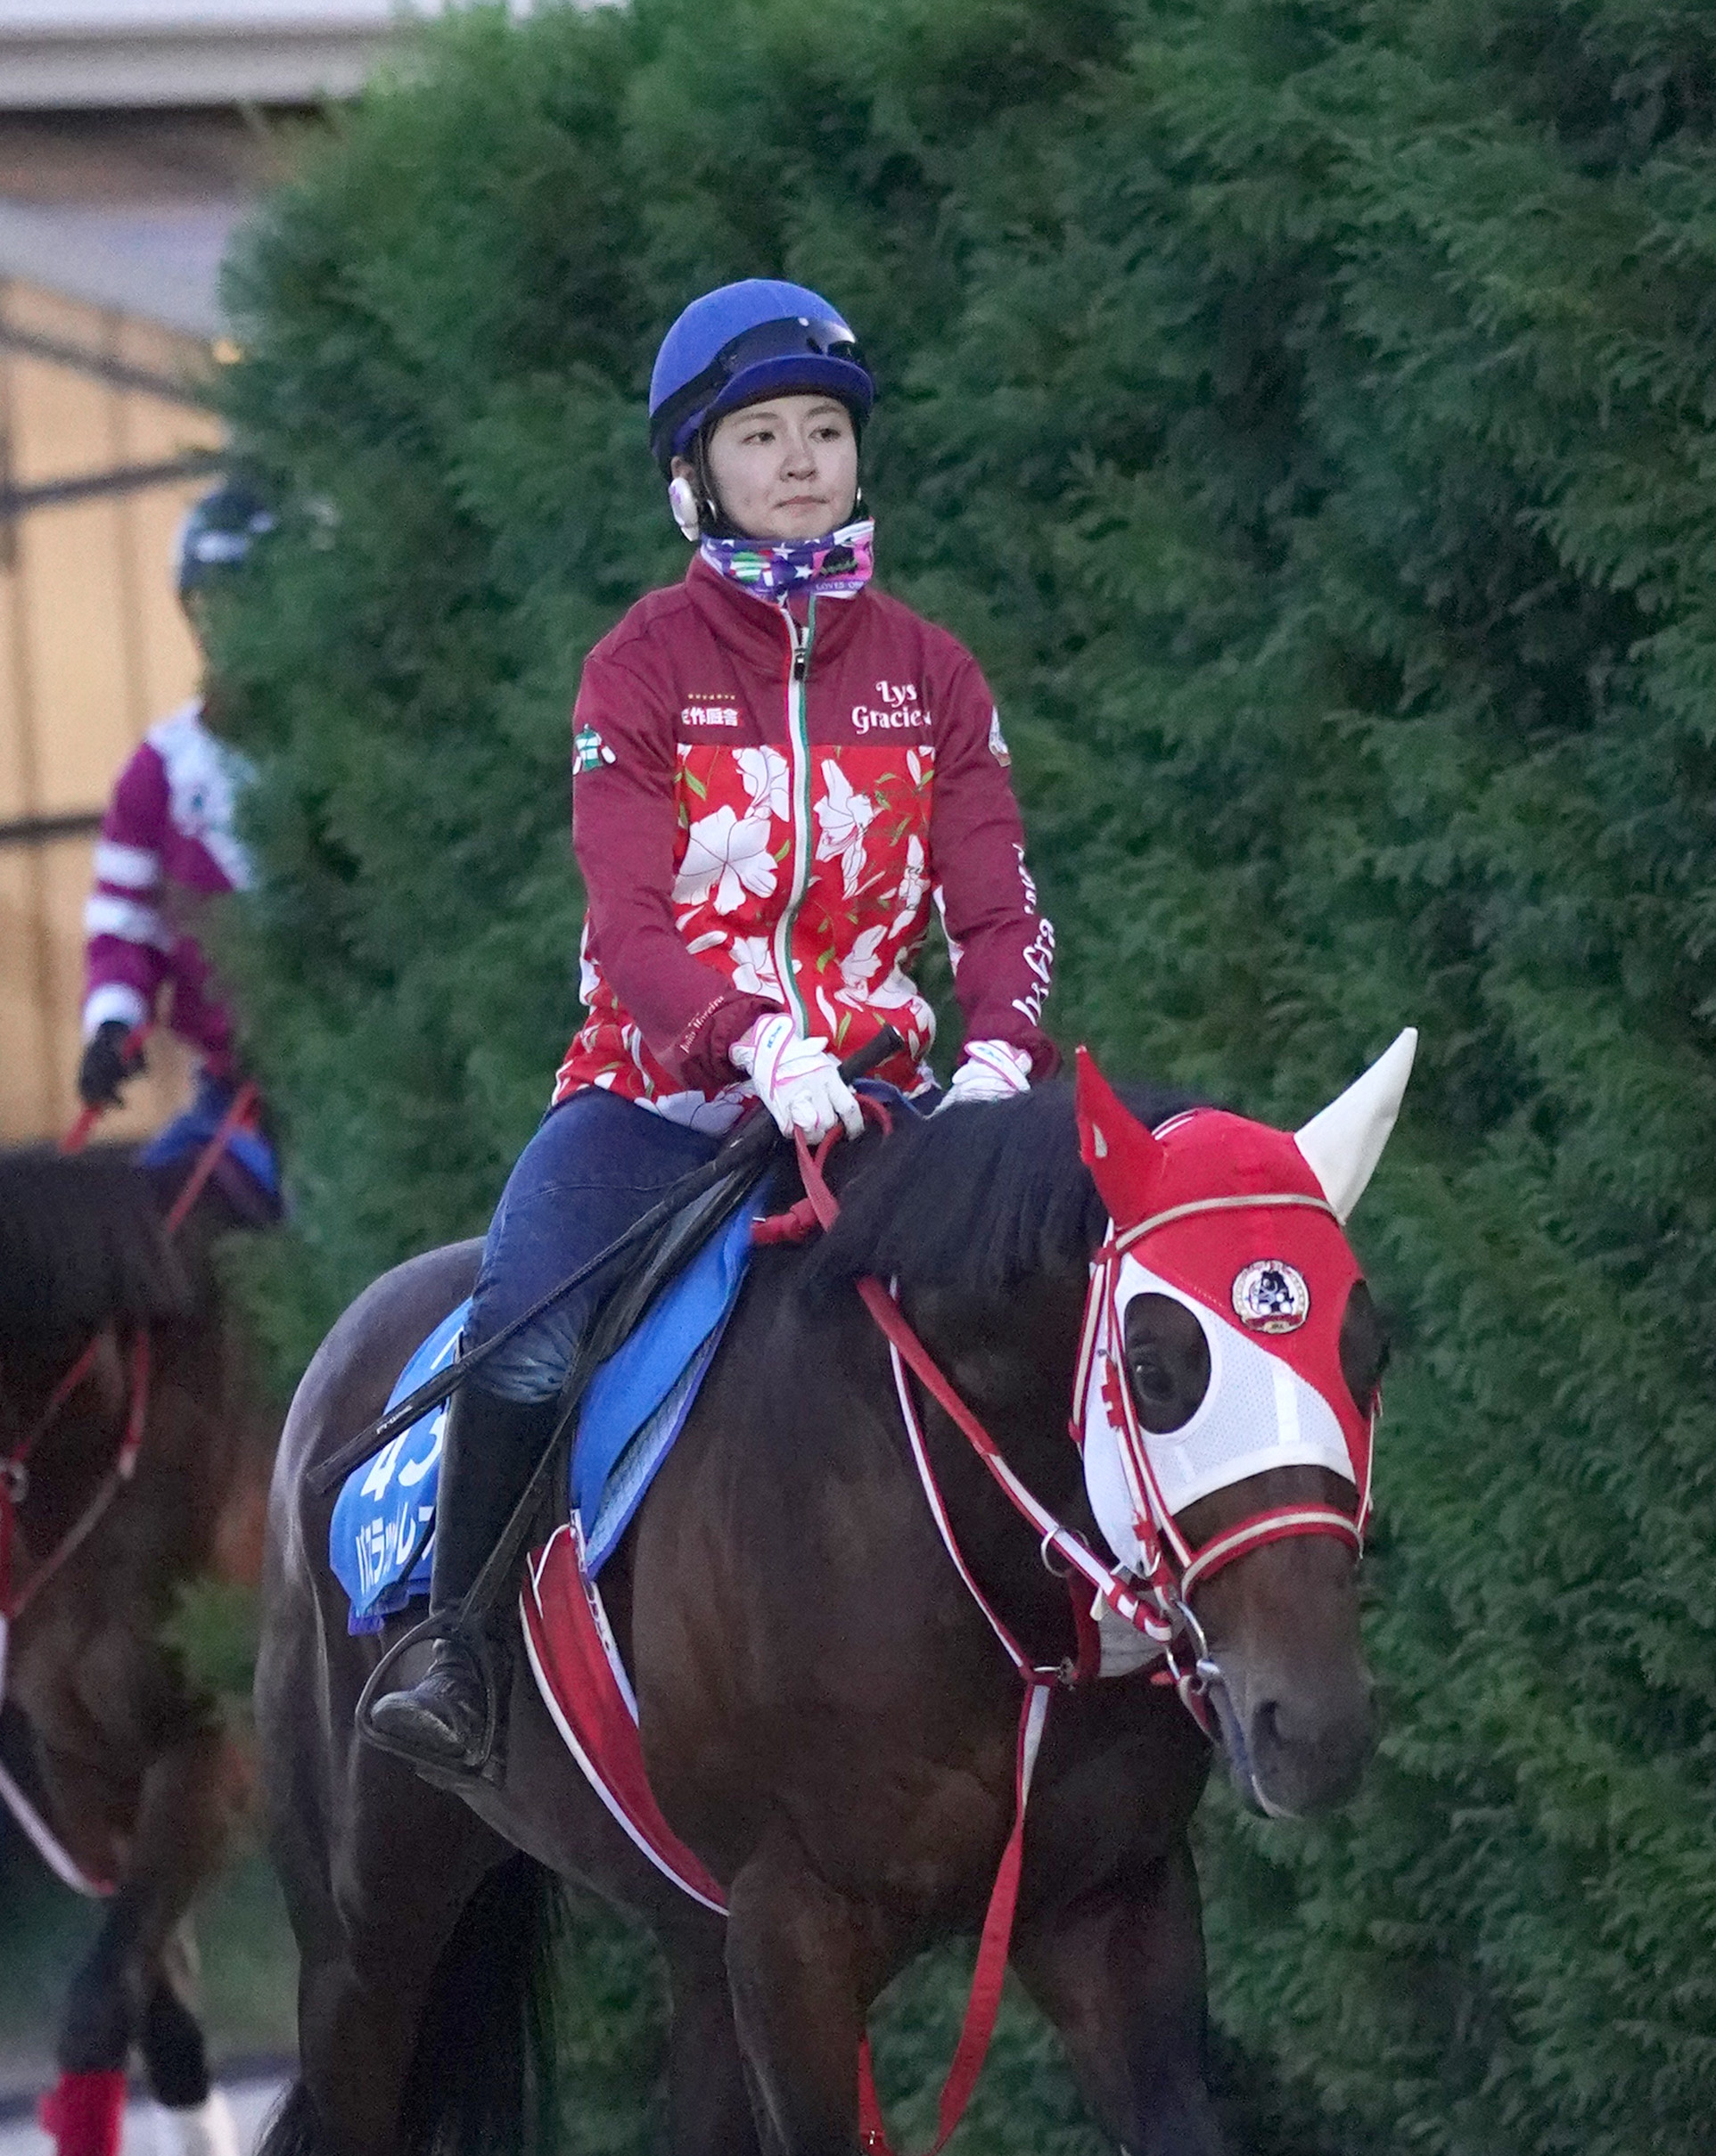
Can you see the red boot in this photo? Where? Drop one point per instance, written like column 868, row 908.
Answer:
column 82, row 2112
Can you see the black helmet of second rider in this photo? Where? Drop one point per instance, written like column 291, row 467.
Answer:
column 217, row 534
column 759, row 341
column 217, row 537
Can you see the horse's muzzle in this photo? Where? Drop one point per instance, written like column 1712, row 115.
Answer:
column 1295, row 1750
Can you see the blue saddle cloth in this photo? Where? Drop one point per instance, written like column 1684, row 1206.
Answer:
column 194, row 1127
column 378, row 1541
column 637, row 1404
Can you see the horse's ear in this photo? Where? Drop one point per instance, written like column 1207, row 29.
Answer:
column 1344, row 1142
column 1124, row 1159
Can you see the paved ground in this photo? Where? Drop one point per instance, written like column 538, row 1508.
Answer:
column 251, row 2102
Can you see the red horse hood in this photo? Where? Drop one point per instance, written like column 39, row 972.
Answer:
column 1242, row 1223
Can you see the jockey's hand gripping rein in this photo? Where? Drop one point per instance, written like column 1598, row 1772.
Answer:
column 797, row 1080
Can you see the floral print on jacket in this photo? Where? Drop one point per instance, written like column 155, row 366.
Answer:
column 767, row 808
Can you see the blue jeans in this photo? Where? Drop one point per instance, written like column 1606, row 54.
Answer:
column 595, row 1165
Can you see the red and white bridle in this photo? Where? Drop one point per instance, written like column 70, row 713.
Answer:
column 1150, row 1594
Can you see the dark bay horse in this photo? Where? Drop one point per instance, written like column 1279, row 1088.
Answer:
column 136, row 1772
column 827, row 1719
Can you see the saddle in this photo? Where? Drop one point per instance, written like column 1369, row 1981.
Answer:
column 658, row 1247
column 619, row 1426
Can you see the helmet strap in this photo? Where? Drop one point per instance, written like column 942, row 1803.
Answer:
column 714, row 519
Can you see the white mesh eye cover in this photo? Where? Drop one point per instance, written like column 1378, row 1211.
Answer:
column 1113, row 1499
column 1259, row 1413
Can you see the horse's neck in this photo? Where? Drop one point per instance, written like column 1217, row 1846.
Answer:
column 68, row 1447
column 1012, row 1361
column 1013, row 1365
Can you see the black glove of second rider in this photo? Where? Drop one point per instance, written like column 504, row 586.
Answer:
column 106, row 1065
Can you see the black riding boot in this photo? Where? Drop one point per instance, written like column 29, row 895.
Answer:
column 489, row 1450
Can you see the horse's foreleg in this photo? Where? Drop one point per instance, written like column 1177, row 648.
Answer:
column 358, row 2034
column 176, row 2057
column 97, row 2022
column 707, row 2104
column 1121, row 1978
column 192, row 1794
column 795, row 1958
column 120, row 1995
column 125, row 1992
column 376, row 1910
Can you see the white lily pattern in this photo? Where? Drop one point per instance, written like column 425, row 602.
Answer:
column 845, row 816
column 753, row 967
column 913, row 888
column 863, row 962
column 768, row 781
column 729, row 855
column 862, row 912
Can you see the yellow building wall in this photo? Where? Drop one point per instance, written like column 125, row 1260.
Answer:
column 94, row 648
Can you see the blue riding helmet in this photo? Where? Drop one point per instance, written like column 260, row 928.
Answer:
column 747, row 340
column 217, row 533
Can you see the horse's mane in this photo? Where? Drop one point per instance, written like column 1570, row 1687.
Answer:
column 978, row 1200
column 81, row 1245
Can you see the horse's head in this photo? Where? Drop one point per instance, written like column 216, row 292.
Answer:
column 1227, row 1395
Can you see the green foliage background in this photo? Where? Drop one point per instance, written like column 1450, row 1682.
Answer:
column 1304, row 408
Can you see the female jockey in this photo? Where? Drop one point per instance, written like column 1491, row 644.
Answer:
column 778, row 769
column 168, row 846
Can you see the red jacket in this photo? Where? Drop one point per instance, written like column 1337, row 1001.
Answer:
column 765, row 807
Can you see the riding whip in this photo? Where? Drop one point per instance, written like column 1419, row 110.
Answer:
column 744, row 1155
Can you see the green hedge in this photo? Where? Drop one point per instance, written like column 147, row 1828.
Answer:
column 1304, row 408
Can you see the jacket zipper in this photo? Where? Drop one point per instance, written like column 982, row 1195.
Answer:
column 798, row 764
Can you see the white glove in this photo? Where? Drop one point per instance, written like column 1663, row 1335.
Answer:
column 992, row 1070
column 797, row 1080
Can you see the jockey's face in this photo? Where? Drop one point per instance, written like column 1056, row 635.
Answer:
column 784, row 469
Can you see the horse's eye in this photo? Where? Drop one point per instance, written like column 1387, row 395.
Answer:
column 1151, row 1378
column 1167, row 1360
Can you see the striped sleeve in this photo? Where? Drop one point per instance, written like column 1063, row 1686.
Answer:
column 127, row 939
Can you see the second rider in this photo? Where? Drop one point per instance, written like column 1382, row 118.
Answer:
column 779, row 770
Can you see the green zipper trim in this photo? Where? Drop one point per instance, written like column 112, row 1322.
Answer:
column 798, row 738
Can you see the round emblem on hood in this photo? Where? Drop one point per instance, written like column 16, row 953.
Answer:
column 1270, row 1295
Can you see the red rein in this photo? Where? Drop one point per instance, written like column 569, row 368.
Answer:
column 819, row 1208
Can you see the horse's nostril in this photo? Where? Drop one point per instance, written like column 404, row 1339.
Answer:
column 1308, row 1760
column 1267, row 1739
